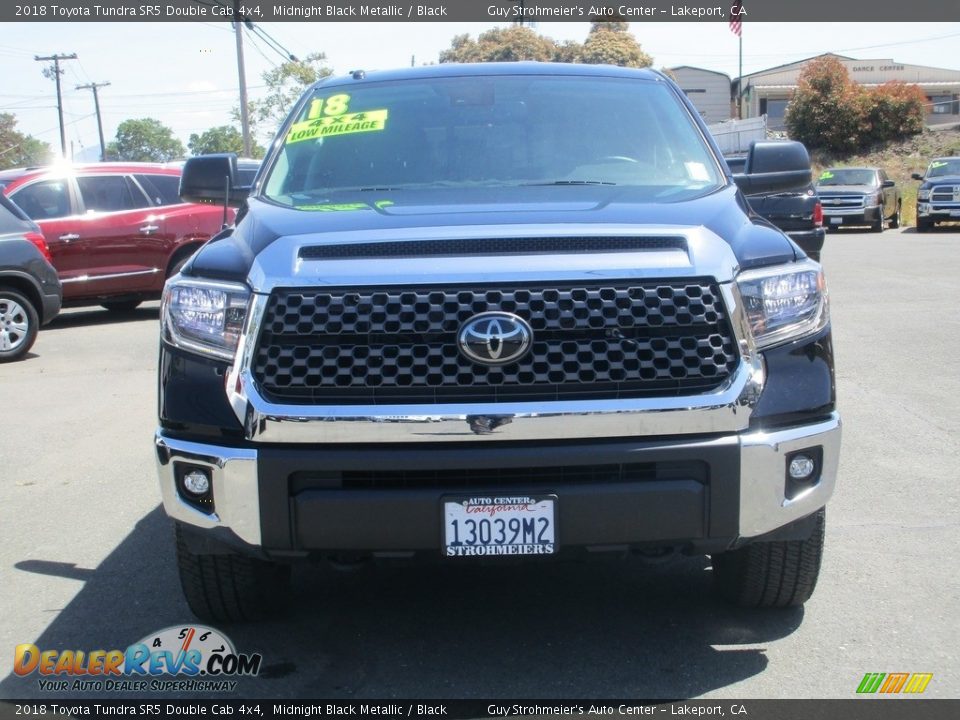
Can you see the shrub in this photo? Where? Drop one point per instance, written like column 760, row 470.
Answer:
column 831, row 112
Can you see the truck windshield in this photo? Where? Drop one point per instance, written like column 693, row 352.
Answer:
column 848, row 176
column 940, row 168
column 471, row 133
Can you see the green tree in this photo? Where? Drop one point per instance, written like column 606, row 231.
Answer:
column 501, row 45
column 285, row 84
column 145, row 140
column 221, row 139
column 18, row 149
column 608, row 42
column 831, row 112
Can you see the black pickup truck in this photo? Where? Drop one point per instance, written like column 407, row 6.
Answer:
column 798, row 212
column 460, row 318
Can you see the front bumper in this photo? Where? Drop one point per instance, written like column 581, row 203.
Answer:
column 861, row 216
column 939, row 211
column 703, row 493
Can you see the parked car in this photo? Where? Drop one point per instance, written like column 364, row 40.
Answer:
column 938, row 198
column 29, row 288
column 247, row 169
column 116, row 231
column 798, row 212
column 859, row 196
column 459, row 320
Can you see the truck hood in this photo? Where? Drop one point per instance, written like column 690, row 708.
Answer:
column 942, row 180
column 270, row 244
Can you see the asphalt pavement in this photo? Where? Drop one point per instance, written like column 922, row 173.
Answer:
column 87, row 558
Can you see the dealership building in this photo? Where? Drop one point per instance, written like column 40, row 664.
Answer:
column 767, row 92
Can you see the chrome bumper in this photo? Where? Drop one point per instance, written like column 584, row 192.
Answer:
column 763, row 503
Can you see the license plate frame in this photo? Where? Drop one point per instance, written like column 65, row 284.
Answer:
column 492, row 516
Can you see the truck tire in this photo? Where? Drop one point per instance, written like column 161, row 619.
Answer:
column 121, row 306
column 773, row 574
column 877, row 226
column 895, row 220
column 923, row 225
column 19, row 324
column 230, row 587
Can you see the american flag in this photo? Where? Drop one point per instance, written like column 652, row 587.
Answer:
column 735, row 25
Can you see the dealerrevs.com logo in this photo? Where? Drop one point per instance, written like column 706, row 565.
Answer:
column 177, row 658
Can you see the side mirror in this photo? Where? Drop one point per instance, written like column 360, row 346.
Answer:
column 775, row 166
column 212, row 180
column 888, row 184
column 917, row 176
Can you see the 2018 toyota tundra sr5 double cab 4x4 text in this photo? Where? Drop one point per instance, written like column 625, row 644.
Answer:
column 497, row 311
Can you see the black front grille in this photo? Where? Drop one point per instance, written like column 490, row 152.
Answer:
column 942, row 193
column 491, row 246
column 479, row 479
column 400, row 345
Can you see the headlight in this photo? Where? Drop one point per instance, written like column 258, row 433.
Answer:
column 923, row 194
column 204, row 316
column 785, row 302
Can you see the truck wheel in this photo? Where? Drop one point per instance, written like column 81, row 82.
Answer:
column 771, row 574
column 229, row 587
column 895, row 220
column 19, row 324
column 923, row 225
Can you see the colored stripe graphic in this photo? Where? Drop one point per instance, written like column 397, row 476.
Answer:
column 894, row 682
column 918, row 682
column 870, row 682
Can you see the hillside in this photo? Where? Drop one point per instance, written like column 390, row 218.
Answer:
column 900, row 160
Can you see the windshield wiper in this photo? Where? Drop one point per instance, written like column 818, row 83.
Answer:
column 570, row 182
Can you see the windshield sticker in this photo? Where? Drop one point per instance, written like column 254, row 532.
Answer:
column 333, row 105
column 349, row 124
column 937, row 164
column 826, row 175
column 697, row 171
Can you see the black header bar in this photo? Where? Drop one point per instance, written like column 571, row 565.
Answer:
column 875, row 708
column 863, row 11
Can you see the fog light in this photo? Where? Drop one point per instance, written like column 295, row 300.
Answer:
column 198, row 482
column 801, row 467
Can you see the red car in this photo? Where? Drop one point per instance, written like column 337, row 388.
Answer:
column 116, row 231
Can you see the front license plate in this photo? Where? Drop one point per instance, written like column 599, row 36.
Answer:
column 499, row 525
column 836, row 220
column 955, row 213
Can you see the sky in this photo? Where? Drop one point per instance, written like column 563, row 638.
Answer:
column 185, row 74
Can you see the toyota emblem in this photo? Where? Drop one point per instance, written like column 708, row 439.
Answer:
column 494, row 338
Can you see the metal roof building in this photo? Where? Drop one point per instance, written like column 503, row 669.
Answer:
column 768, row 92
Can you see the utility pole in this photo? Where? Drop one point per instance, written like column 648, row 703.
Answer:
column 238, row 21
column 96, row 104
column 56, row 73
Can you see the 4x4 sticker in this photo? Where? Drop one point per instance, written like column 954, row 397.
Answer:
column 826, row 175
column 347, row 124
column 938, row 164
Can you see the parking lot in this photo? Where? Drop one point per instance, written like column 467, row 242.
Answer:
column 87, row 559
